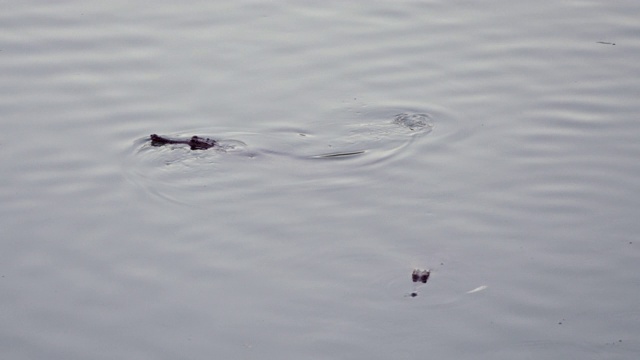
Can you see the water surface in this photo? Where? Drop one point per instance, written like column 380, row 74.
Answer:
column 519, row 193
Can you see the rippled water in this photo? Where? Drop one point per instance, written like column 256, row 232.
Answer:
column 193, row 178
column 511, row 176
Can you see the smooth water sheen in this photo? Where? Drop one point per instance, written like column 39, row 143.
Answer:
column 512, row 176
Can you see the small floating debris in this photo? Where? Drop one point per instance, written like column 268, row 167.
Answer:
column 419, row 276
column 605, row 43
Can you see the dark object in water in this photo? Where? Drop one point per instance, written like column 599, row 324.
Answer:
column 420, row 275
column 195, row 142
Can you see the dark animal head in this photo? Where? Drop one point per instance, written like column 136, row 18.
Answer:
column 198, row 143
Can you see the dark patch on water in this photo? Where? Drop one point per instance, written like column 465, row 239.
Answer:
column 419, row 276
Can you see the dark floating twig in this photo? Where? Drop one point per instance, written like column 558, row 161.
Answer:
column 605, row 43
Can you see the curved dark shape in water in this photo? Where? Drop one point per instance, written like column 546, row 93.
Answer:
column 195, row 142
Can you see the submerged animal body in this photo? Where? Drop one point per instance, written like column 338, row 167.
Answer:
column 195, row 142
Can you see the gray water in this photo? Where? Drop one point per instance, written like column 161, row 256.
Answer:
column 520, row 192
